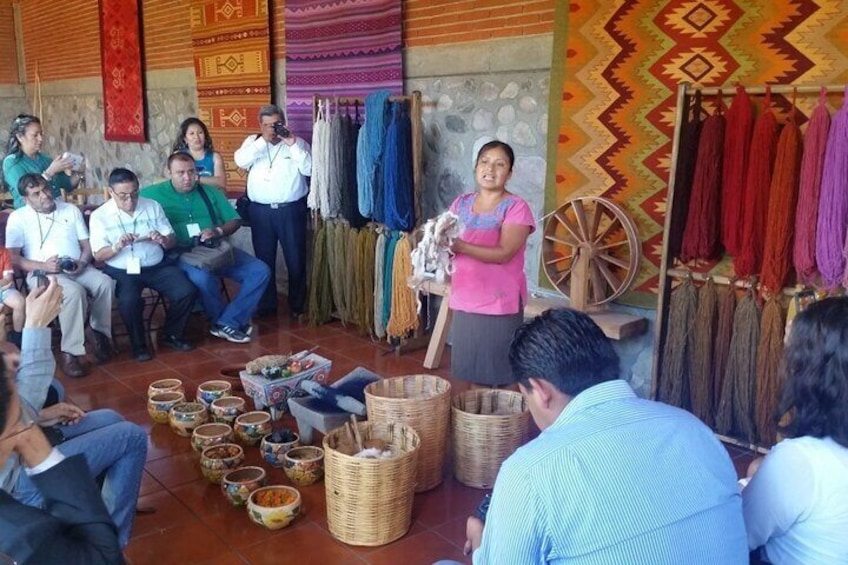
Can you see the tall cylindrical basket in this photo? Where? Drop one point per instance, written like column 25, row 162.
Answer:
column 369, row 501
column 488, row 426
column 423, row 402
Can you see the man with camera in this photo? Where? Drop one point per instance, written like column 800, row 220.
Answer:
column 50, row 237
column 131, row 235
column 278, row 163
column 201, row 217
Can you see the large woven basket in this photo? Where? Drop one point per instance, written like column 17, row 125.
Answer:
column 423, row 402
column 488, row 426
column 369, row 501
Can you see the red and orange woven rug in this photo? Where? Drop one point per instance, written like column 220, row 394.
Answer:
column 616, row 68
column 230, row 40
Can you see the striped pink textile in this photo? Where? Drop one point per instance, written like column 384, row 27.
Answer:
column 346, row 48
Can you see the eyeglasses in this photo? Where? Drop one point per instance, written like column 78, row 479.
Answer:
column 125, row 195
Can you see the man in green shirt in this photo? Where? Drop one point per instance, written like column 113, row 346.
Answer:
column 190, row 216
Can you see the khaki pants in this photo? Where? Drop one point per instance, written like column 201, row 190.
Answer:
column 75, row 302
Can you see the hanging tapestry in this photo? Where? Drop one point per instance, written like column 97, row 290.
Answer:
column 617, row 65
column 231, row 48
column 123, row 86
column 339, row 48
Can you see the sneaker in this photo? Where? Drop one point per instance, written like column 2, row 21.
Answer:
column 248, row 330
column 230, row 334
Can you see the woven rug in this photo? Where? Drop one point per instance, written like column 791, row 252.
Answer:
column 231, row 48
column 120, row 55
column 346, row 48
column 617, row 64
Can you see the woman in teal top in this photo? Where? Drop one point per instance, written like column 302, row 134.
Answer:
column 194, row 139
column 24, row 156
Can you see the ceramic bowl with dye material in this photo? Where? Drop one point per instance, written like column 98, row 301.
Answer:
column 186, row 416
column 304, row 465
column 159, row 405
column 217, row 460
column 227, row 408
column 251, row 427
column 274, row 446
column 209, row 391
column 274, row 507
column 165, row 385
column 207, row 435
column 237, row 485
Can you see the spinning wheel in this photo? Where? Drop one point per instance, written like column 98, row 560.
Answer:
column 590, row 251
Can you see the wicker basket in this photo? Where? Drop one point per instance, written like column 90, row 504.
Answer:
column 423, row 402
column 369, row 501
column 488, row 426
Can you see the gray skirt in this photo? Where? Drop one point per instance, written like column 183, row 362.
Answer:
column 480, row 347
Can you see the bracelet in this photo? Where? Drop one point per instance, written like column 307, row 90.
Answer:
column 220, row 231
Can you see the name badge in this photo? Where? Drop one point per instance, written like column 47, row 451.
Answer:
column 134, row 265
column 193, row 229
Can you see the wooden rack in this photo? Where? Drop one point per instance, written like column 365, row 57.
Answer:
column 669, row 271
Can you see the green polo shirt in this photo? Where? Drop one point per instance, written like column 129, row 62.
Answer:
column 189, row 208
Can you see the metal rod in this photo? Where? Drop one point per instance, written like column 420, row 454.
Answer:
column 730, row 90
column 720, row 279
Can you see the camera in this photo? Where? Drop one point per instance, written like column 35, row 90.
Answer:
column 67, row 264
column 281, row 129
column 40, row 278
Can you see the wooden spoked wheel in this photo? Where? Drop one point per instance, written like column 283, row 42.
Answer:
column 590, row 251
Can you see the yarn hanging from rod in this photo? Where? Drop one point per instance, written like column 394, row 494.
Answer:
column 369, row 149
column 336, row 172
column 810, row 176
column 398, row 189
column 365, row 277
column 768, row 383
column 379, row 268
column 684, row 173
column 737, row 146
column 701, row 236
column 317, row 196
column 350, row 194
column 742, row 364
column 757, row 183
column 701, row 381
column 780, row 227
column 679, row 345
column 320, row 294
column 335, row 252
column 404, row 317
column 833, row 202
column 721, row 351
column 351, row 298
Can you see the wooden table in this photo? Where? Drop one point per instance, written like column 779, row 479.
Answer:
column 615, row 325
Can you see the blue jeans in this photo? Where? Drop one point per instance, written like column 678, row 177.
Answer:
column 253, row 276
column 113, row 448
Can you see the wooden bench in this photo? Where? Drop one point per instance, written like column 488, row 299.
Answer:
column 615, row 325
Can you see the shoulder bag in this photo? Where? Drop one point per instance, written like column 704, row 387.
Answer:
column 213, row 254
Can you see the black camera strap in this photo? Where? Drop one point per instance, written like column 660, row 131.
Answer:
column 209, row 206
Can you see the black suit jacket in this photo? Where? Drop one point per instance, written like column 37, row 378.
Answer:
column 73, row 528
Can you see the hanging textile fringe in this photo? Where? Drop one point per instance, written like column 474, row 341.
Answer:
column 780, row 227
column 757, row 183
column 317, row 198
column 679, row 345
column 737, row 146
column 369, row 148
column 701, row 381
column 351, row 297
column 404, row 317
column 741, row 369
column 398, row 189
column 806, row 215
column 433, row 253
column 769, row 353
column 683, row 174
column 379, row 267
column 833, row 202
column 320, row 298
column 336, row 168
column 721, row 350
column 701, row 236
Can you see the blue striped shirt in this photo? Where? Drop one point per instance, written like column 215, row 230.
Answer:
column 617, row 480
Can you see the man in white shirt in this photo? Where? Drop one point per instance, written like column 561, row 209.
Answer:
column 131, row 235
column 278, row 163
column 51, row 237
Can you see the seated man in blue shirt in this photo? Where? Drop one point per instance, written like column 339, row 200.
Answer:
column 612, row 478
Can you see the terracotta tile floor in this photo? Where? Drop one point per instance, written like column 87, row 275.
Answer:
column 194, row 524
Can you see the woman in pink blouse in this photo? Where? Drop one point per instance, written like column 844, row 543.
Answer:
column 488, row 288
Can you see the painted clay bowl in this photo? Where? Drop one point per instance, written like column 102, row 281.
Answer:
column 274, row 507
column 304, row 465
column 159, row 405
column 250, row 427
column 165, row 385
column 217, row 460
column 237, row 485
column 209, row 391
column 186, row 416
column 273, row 451
column 207, row 435
column 226, row 409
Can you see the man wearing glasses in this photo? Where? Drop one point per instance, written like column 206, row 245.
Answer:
column 131, row 235
column 200, row 213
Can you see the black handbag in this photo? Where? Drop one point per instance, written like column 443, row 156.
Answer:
column 213, row 254
column 243, row 208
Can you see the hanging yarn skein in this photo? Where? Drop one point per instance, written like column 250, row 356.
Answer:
column 679, row 345
column 369, row 148
column 351, row 297
column 350, row 197
column 721, row 350
column 320, row 157
column 780, row 227
column 379, row 267
column 398, row 189
column 757, row 183
column 833, row 202
column 320, row 298
column 768, row 384
column 701, row 380
column 701, row 237
column 741, row 369
column 388, row 279
column 737, row 146
column 806, row 215
column 404, row 317
column 433, row 253
column 683, row 175
column 336, row 168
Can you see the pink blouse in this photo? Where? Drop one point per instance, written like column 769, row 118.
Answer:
column 489, row 288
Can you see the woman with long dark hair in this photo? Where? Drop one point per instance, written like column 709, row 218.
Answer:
column 796, row 504
column 24, row 156
column 195, row 140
